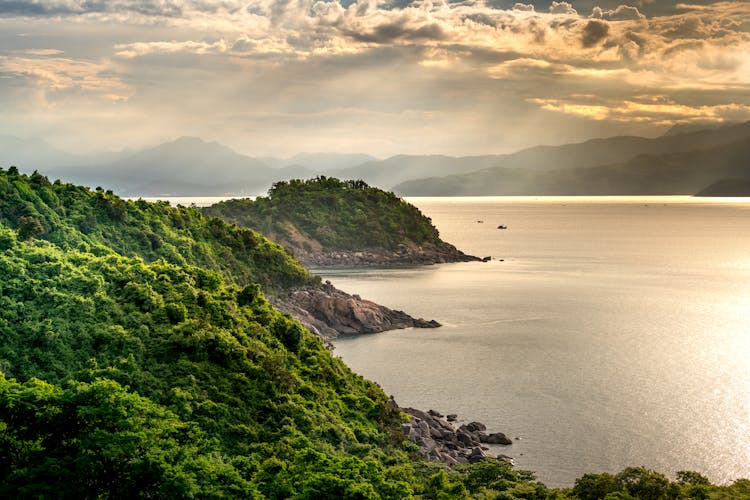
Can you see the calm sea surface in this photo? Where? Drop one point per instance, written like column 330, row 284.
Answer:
column 615, row 332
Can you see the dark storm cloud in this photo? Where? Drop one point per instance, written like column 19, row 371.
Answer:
column 37, row 8
column 483, row 19
column 594, row 32
column 19, row 8
column 399, row 31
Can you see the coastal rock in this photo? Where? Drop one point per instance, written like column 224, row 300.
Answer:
column 405, row 255
column 475, row 426
column 497, row 438
column 329, row 312
column 476, row 455
column 440, row 441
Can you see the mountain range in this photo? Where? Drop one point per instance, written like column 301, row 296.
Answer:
column 682, row 161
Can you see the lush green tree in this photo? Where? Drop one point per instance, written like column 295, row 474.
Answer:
column 646, row 484
column 29, row 227
column 596, row 486
column 339, row 215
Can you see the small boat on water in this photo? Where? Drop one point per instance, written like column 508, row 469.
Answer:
column 502, row 226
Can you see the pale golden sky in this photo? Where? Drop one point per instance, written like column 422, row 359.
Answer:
column 276, row 77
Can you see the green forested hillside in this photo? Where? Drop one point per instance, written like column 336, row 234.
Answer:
column 341, row 215
column 159, row 379
column 125, row 376
column 75, row 217
column 126, row 372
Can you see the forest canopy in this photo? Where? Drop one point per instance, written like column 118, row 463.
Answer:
column 139, row 358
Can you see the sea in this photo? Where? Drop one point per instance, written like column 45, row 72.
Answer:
column 605, row 332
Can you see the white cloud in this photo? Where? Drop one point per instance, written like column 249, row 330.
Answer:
column 444, row 65
column 562, row 8
column 620, row 13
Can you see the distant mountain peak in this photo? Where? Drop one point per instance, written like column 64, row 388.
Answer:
column 689, row 128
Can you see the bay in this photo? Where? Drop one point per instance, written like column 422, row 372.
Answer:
column 614, row 332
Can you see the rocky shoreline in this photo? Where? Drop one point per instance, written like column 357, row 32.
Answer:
column 440, row 441
column 329, row 312
column 405, row 255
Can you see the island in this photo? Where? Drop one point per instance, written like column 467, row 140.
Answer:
column 327, row 222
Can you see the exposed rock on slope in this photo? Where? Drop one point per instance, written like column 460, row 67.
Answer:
column 81, row 218
column 329, row 312
column 440, row 441
column 405, row 255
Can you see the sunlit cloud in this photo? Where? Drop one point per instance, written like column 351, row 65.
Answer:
column 644, row 111
column 55, row 76
column 462, row 63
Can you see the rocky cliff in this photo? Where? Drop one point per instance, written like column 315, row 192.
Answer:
column 440, row 440
column 330, row 312
column 405, row 255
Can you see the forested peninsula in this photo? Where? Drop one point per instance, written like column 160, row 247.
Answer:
column 327, row 222
column 140, row 358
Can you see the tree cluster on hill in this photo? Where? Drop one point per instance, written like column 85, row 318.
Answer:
column 340, row 215
column 74, row 217
column 134, row 366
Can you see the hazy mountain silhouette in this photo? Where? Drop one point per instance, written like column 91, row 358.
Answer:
column 29, row 154
column 727, row 187
column 320, row 162
column 192, row 166
column 185, row 166
column 684, row 172
column 390, row 172
column 22, row 152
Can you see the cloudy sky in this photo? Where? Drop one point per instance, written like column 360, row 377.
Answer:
column 276, row 77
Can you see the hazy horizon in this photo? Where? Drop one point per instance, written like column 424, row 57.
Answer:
column 275, row 77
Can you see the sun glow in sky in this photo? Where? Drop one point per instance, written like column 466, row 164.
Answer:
column 275, row 77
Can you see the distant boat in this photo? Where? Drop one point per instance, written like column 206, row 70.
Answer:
column 502, row 226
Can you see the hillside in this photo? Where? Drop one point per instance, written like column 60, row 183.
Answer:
column 74, row 217
column 645, row 174
column 727, row 188
column 133, row 376
column 328, row 222
column 130, row 376
column 126, row 379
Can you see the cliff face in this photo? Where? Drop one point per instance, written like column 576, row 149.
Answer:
column 75, row 217
column 329, row 312
column 405, row 255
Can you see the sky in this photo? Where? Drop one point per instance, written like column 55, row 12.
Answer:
column 278, row 77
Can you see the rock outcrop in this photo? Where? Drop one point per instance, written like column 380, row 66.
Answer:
column 330, row 312
column 404, row 256
column 440, row 441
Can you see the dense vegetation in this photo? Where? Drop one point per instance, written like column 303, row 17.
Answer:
column 338, row 215
column 73, row 217
column 126, row 373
